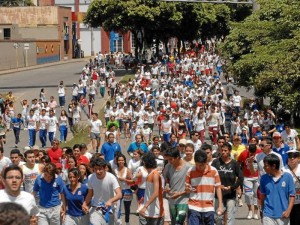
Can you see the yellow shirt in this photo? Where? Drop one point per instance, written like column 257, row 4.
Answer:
column 237, row 150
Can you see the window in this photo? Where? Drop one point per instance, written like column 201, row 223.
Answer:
column 6, row 32
column 118, row 44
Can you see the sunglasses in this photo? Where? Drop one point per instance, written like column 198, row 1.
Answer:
column 276, row 137
column 262, row 145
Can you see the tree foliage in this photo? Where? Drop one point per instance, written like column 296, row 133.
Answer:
column 159, row 20
column 265, row 52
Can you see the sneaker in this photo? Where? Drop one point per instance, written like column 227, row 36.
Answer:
column 240, row 202
column 16, row 146
column 250, row 215
column 255, row 217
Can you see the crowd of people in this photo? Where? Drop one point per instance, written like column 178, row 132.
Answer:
column 195, row 148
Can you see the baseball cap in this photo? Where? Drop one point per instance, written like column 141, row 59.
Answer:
column 276, row 134
column 182, row 141
column 36, row 147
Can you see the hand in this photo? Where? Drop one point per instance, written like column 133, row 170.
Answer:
column 220, row 210
column 85, row 208
column 62, row 214
column 286, row 214
column 142, row 211
column 108, row 203
column 174, row 195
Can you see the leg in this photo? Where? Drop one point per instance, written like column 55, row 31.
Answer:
column 194, row 217
column 127, row 205
column 230, row 209
column 54, row 215
column 208, row 218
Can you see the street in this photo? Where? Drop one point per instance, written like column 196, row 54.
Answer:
column 27, row 85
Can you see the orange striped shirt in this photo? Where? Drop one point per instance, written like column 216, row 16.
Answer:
column 155, row 209
column 203, row 183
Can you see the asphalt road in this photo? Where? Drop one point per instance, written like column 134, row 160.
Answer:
column 26, row 84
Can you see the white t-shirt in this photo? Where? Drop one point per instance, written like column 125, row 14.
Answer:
column 32, row 121
column 44, row 120
column 236, row 100
column 24, row 199
column 107, row 185
column 296, row 181
column 167, row 126
column 52, row 124
column 5, row 161
column 290, row 139
column 95, row 125
column 260, row 162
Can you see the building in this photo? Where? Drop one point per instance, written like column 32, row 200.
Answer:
column 34, row 35
column 91, row 40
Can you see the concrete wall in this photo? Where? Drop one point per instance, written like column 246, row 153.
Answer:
column 46, row 33
column 48, row 51
column 11, row 58
column 29, row 16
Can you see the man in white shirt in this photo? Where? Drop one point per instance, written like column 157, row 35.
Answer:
column 53, row 124
column 290, row 137
column 13, row 179
column 104, row 190
column 94, row 131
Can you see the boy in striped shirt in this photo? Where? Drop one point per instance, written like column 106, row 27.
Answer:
column 202, row 181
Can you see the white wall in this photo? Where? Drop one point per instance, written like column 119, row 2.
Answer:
column 85, row 36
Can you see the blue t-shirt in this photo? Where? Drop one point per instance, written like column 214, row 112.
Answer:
column 282, row 151
column 75, row 201
column 133, row 146
column 49, row 193
column 109, row 150
column 16, row 122
column 277, row 194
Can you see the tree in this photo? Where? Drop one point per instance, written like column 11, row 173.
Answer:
column 148, row 19
column 265, row 52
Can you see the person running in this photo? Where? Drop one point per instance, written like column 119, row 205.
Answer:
column 101, row 201
column 17, row 122
column 125, row 178
column 293, row 168
column 31, row 170
column 202, row 182
column 95, row 131
column 48, row 187
column 277, row 191
column 63, row 126
column 174, row 171
column 152, row 211
column 231, row 179
column 13, row 179
column 75, row 194
column 32, row 126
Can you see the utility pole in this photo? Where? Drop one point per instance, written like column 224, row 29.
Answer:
column 92, row 42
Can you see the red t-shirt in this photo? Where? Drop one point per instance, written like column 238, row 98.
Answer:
column 244, row 159
column 83, row 160
column 55, row 155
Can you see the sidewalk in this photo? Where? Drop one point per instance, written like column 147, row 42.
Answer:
column 3, row 72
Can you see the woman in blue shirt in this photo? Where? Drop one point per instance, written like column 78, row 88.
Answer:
column 75, row 193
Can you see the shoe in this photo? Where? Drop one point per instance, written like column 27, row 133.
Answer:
column 255, row 216
column 250, row 215
column 16, row 146
column 240, row 202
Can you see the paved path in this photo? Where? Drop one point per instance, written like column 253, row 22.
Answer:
column 27, row 84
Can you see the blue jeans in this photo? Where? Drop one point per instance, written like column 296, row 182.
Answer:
column 51, row 137
column 201, row 218
column 17, row 135
column 167, row 137
column 43, row 137
column 63, row 132
column 188, row 124
column 62, row 100
column 32, row 137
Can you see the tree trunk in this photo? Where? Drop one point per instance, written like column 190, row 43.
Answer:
column 157, row 46
column 178, row 47
column 166, row 47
